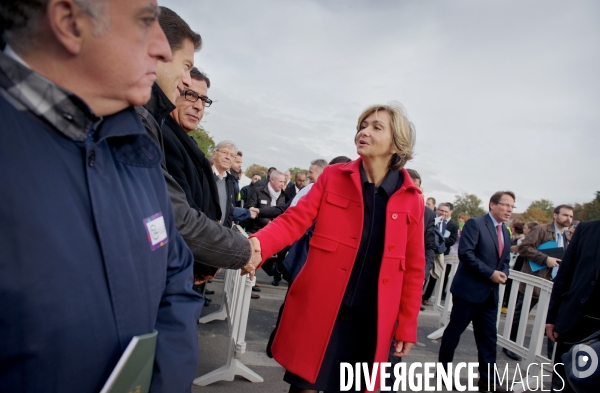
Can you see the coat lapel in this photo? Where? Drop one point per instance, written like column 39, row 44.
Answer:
column 490, row 226
column 353, row 168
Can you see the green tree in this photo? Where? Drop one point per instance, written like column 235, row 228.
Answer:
column 543, row 204
column 204, row 140
column 540, row 211
column 467, row 203
column 255, row 168
column 591, row 210
column 295, row 170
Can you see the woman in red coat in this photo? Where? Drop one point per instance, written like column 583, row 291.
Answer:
column 361, row 285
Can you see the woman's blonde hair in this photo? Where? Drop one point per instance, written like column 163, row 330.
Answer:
column 403, row 132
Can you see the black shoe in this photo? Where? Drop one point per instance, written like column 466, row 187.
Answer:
column 209, row 281
column 275, row 283
column 205, row 304
column 255, row 289
column 511, row 354
column 209, row 292
column 207, row 300
column 422, row 308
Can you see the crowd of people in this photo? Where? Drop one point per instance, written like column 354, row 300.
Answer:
column 114, row 219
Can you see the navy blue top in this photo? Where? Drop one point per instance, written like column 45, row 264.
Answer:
column 362, row 286
column 79, row 275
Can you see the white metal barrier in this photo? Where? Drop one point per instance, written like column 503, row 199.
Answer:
column 530, row 354
column 446, row 307
column 235, row 305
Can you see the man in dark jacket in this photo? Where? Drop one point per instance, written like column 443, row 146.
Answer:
column 185, row 161
column 449, row 230
column 97, row 259
column 292, row 188
column 211, row 243
column 246, row 191
column 573, row 313
column 265, row 199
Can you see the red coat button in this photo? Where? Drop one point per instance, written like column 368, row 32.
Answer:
column 394, row 216
column 391, row 247
column 386, row 280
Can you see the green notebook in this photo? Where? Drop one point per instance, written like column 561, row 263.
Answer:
column 133, row 372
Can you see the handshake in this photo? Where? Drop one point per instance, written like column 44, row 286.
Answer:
column 254, row 211
column 255, row 259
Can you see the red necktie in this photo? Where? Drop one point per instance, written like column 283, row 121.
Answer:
column 500, row 240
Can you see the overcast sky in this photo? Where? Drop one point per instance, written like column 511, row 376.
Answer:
column 503, row 94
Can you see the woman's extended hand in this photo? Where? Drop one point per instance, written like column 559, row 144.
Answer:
column 403, row 349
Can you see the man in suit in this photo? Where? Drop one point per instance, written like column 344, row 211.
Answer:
column 484, row 253
column 573, row 317
column 293, row 188
column 449, row 229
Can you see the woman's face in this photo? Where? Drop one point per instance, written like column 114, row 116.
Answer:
column 526, row 230
column 374, row 138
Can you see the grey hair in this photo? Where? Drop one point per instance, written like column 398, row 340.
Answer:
column 321, row 163
column 226, row 144
column 21, row 19
column 275, row 173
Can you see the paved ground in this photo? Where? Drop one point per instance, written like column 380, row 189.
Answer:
column 261, row 320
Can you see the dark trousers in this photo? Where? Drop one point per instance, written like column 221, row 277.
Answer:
column 431, row 284
column 483, row 317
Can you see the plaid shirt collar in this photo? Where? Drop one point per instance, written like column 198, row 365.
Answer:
column 29, row 91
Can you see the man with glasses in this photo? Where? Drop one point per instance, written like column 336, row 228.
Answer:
column 196, row 225
column 484, row 253
column 541, row 265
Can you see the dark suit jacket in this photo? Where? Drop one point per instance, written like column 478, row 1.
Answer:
column 290, row 191
column 478, row 254
column 451, row 227
column 577, row 277
column 429, row 224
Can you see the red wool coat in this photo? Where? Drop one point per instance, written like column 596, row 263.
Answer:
column 314, row 299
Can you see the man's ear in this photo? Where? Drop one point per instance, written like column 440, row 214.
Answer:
column 68, row 23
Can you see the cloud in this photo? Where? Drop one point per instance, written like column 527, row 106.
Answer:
column 504, row 95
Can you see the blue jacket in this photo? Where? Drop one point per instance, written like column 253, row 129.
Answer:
column 78, row 273
column 478, row 255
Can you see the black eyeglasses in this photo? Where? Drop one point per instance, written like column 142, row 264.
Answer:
column 192, row 96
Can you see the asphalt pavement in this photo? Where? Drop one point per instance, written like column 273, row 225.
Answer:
column 214, row 342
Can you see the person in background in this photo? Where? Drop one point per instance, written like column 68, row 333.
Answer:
column 556, row 231
column 246, row 191
column 293, row 188
column 453, row 254
column 430, row 203
column 314, row 171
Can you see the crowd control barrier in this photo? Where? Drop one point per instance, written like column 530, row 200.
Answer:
column 530, row 352
column 235, row 305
